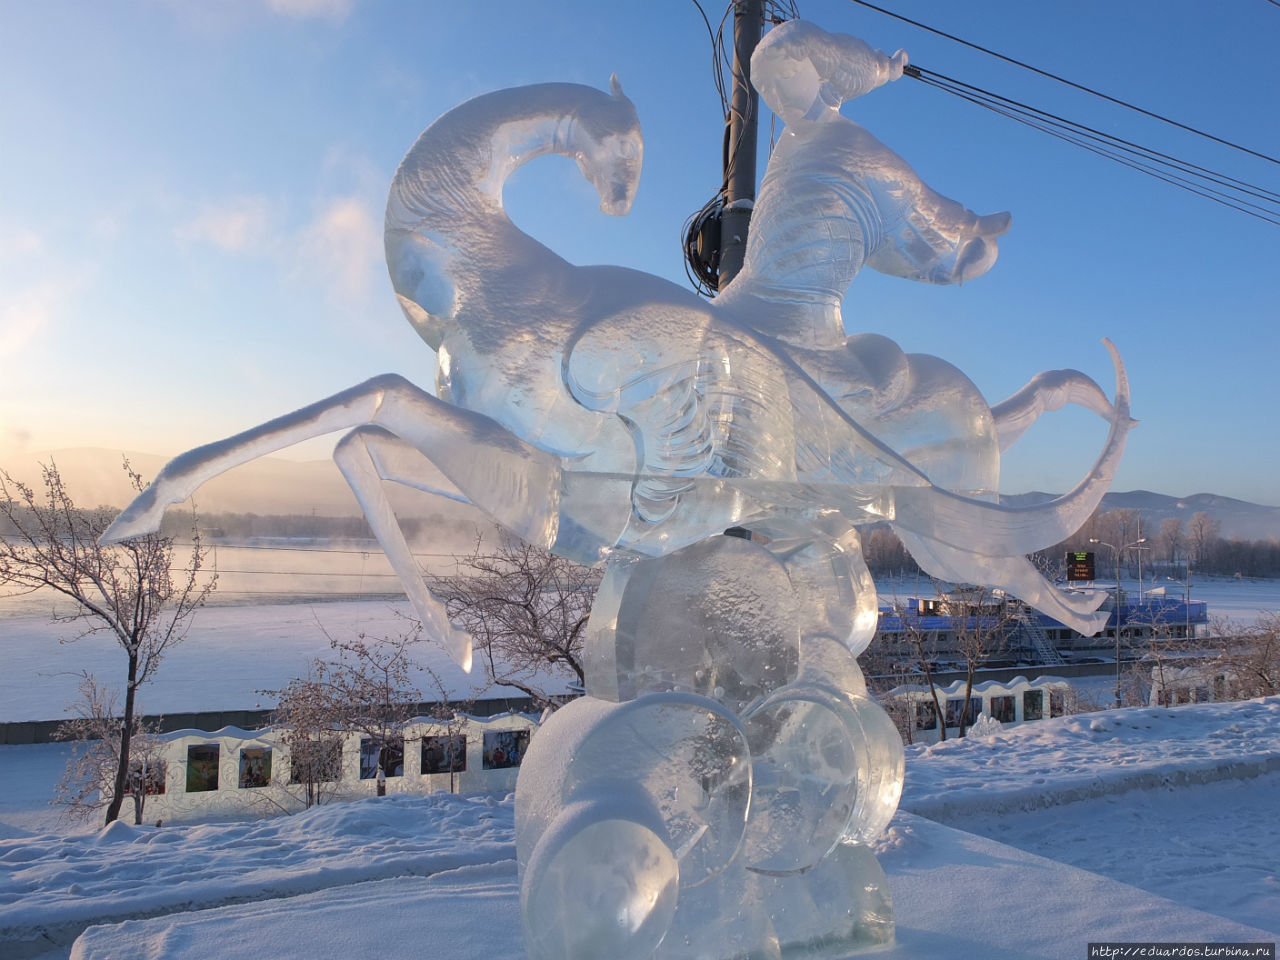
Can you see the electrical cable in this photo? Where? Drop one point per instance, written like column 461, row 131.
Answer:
column 710, row 32
column 921, row 73
column 1175, row 172
column 1093, row 145
column 1069, row 83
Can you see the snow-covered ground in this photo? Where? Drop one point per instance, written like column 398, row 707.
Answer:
column 1179, row 802
column 1142, row 824
column 1139, row 824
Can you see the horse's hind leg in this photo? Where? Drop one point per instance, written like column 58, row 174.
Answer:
column 1051, row 390
column 515, row 483
column 1017, row 575
column 369, row 455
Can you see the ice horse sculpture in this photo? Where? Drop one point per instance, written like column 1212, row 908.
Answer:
column 713, row 794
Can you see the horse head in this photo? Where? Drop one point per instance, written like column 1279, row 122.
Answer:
column 607, row 145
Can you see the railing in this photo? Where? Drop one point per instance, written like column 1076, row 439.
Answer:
column 1034, row 638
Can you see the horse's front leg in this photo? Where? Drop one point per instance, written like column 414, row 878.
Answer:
column 369, row 455
column 515, row 483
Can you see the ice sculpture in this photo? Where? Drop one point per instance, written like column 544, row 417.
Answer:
column 711, row 795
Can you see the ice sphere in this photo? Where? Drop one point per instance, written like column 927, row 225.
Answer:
column 605, row 887
column 717, row 618
column 805, row 782
column 622, row 805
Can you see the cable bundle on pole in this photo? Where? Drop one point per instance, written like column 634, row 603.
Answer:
column 701, row 235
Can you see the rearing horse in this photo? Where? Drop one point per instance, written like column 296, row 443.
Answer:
column 595, row 409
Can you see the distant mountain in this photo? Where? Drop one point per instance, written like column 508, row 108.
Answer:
column 1236, row 518
column 288, row 487
column 268, row 487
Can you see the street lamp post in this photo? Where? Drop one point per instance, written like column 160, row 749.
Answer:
column 1115, row 552
column 1186, row 597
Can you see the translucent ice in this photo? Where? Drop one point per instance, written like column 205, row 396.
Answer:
column 712, row 794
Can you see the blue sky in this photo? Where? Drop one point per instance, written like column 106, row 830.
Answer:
column 191, row 199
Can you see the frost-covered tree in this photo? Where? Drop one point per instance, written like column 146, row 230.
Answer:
column 1248, row 658
column 983, row 621
column 365, row 689
column 1202, row 531
column 449, row 712
column 311, row 736
column 1170, row 540
column 371, row 693
column 88, row 783
column 526, row 611
column 906, row 657
column 132, row 592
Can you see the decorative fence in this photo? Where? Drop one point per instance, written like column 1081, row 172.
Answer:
column 1011, row 702
column 232, row 772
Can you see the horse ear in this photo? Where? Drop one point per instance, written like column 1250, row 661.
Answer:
column 615, row 87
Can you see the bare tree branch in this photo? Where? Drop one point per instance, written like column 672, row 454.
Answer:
column 526, row 611
column 88, row 782
column 47, row 542
column 367, row 689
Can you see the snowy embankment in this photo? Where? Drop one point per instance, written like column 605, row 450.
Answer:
column 53, row 887
column 1052, row 762
column 1105, row 826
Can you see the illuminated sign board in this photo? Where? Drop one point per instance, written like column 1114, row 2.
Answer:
column 1079, row 565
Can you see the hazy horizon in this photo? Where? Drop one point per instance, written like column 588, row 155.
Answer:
column 272, row 485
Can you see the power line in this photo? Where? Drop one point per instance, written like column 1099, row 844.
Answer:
column 372, row 549
column 1070, row 83
column 921, row 73
column 1201, row 181
column 710, row 32
column 718, row 56
column 700, row 235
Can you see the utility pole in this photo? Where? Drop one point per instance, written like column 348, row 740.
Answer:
column 1116, row 551
column 740, row 155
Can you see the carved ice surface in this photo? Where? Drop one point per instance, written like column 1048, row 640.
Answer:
column 712, row 795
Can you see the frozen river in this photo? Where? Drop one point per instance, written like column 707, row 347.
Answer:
column 270, row 618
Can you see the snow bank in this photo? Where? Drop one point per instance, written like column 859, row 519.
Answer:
column 1058, row 761
column 445, row 875
column 956, row 895
column 1216, row 846
column 52, row 887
